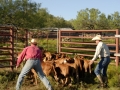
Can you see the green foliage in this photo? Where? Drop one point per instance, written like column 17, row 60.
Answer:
column 3, row 79
column 114, row 76
column 28, row 14
column 88, row 19
column 7, row 76
column 7, row 79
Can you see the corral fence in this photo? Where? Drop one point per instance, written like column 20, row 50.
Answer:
column 7, row 46
column 14, row 39
column 79, row 42
column 10, row 38
column 69, row 42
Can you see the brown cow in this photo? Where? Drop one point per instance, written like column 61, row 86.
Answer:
column 84, row 63
column 74, row 70
column 47, row 56
column 48, row 69
column 63, row 72
column 62, row 60
column 87, row 66
column 77, row 60
column 33, row 75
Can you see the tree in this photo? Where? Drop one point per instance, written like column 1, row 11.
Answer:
column 102, row 22
column 86, row 19
column 115, row 20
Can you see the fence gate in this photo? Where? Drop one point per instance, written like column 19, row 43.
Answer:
column 12, row 41
column 7, row 46
column 80, row 42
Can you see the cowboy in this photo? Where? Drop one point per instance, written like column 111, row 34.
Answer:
column 33, row 56
column 101, row 68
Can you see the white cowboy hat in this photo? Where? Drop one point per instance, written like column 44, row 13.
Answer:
column 97, row 37
column 34, row 41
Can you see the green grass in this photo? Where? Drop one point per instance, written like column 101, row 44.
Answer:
column 49, row 45
column 8, row 81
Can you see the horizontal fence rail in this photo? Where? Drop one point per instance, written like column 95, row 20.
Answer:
column 79, row 41
column 7, row 47
column 10, row 45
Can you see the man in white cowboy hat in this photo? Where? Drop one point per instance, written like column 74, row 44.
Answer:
column 101, row 68
column 33, row 57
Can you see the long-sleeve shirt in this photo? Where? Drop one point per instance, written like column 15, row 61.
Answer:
column 29, row 52
column 102, row 50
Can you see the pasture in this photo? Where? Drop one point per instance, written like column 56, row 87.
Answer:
column 8, row 79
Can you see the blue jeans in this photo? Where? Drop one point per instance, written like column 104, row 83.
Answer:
column 102, row 66
column 28, row 66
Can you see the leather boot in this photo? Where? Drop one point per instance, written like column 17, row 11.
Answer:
column 101, row 82
column 105, row 81
column 50, row 89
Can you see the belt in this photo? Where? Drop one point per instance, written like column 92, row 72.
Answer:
column 104, row 57
column 33, row 59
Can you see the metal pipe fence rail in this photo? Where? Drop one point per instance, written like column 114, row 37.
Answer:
column 79, row 41
column 9, row 38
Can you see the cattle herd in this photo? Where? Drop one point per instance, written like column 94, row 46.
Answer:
column 63, row 68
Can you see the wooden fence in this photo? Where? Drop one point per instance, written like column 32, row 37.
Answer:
column 79, row 41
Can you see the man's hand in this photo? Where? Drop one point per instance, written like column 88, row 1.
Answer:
column 17, row 67
column 91, row 62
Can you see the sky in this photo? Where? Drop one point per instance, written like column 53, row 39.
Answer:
column 68, row 8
